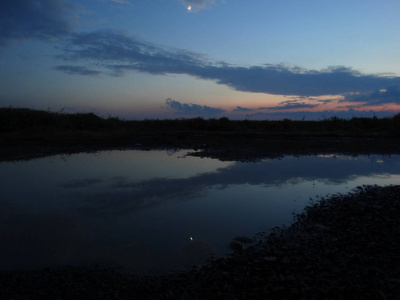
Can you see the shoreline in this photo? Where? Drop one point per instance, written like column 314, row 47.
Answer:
column 344, row 246
column 26, row 133
column 222, row 146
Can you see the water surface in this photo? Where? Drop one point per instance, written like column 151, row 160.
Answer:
column 155, row 211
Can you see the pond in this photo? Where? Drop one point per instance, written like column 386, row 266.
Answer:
column 155, row 211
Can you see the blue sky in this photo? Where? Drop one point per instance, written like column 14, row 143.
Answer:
column 250, row 59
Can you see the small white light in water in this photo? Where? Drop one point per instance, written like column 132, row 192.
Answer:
column 191, row 238
column 189, row 8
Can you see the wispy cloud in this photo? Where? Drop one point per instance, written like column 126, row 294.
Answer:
column 44, row 20
column 239, row 108
column 192, row 109
column 122, row 1
column 118, row 53
column 325, row 101
column 293, row 104
column 76, row 70
column 388, row 95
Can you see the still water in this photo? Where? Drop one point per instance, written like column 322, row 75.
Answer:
column 155, row 211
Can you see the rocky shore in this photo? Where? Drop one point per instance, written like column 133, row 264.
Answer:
column 342, row 247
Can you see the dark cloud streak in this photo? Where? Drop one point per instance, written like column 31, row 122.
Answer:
column 118, row 53
column 239, row 108
column 192, row 109
column 293, row 104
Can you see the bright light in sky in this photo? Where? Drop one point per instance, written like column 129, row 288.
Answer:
column 240, row 59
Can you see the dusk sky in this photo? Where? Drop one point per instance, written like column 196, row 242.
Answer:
column 241, row 59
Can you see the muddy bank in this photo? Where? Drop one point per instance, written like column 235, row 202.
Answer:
column 224, row 146
column 343, row 247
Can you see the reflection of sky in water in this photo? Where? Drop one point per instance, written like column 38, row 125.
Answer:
column 138, row 209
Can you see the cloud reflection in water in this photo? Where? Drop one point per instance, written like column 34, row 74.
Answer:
column 122, row 195
column 103, row 209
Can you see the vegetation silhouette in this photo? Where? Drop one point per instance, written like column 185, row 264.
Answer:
column 24, row 119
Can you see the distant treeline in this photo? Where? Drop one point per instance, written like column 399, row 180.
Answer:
column 23, row 119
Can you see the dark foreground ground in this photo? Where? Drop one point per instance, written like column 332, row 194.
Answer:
column 343, row 247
